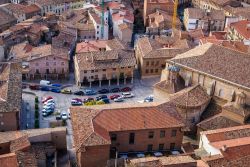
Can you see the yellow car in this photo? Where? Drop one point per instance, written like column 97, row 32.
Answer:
column 66, row 91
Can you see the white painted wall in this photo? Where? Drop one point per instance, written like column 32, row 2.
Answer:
column 204, row 143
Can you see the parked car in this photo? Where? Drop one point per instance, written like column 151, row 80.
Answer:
column 77, row 99
column 126, row 89
column 115, row 90
column 101, row 97
column 34, row 87
column 44, row 83
column 56, row 85
column 89, row 92
column 119, row 99
column 47, row 112
column 45, row 88
column 103, row 91
column 88, row 99
column 55, row 90
column 58, row 117
column 76, row 103
column 127, row 95
column 49, row 101
column 64, row 116
column 66, row 91
column 105, row 100
column 79, row 93
column 48, row 107
column 112, row 97
column 149, row 99
column 46, row 99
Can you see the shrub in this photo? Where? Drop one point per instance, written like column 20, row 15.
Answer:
column 36, row 99
column 64, row 123
column 100, row 102
column 37, row 124
column 36, row 107
column 36, row 114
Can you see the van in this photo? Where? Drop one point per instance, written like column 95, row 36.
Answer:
column 45, row 83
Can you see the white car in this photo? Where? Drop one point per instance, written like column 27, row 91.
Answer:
column 119, row 99
column 64, row 116
column 127, row 95
column 49, row 101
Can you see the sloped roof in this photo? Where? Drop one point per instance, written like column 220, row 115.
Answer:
column 210, row 59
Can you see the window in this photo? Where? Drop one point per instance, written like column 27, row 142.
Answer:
column 54, row 58
column 54, row 63
column 152, row 63
column 104, row 70
column 96, row 70
column 97, row 32
column 161, row 146
column 162, row 133
column 114, row 69
column 146, row 71
column 173, row 134
column 150, row 147
column 47, row 63
column 156, row 70
column 152, row 70
column 92, row 71
column 97, row 26
column 131, row 138
column 157, row 63
column 62, row 70
column 85, row 71
column 150, row 135
column 147, row 63
column 37, row 71
column 62, row 63
column 47, row 71
column 113, row 137
column 163, row 66
column 172, row 146
column 54, row 70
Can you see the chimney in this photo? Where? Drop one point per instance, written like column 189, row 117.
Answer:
column 224, row 148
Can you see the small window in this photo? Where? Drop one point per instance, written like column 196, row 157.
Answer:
column 150, row 147
column 146, row 71
column 92, row 71
column 85, row 71
column 113, row 137
column 147, row 63
column 172, row 146
column 157, row 63
column 156, row 70
column 150, row 135
column 96, row 70
column 104, row 70
column 62, row 63
column 161, row 146
column 131, row 138
column 54, row 58
column 173, row 134
column 114, row 69
column 97, row 32
column 162, row 133
column 152, row 70
column 152, row 63
column 47, row 63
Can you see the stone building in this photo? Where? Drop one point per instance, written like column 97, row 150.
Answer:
column 10, row 96
column 150, row 6
column 208, row 21
column 6, row 20
column 42, row 62
column 152, row 53
column 97, row 138
column 112, row 65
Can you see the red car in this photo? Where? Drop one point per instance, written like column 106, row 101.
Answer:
column 34, row 87
column 112, row 97
column 47, row 98
column 126, row 89
column 77, row 99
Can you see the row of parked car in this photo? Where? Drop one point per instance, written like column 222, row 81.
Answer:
column 103, row 99
column 48, row 106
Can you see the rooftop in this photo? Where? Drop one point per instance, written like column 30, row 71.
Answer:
column 91, row 46
column 242, row 27
column 91, row 125
column 6, row 18
column 195, row 13
column 209, row 59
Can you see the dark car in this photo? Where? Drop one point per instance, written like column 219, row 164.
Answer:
column 115, row 90
column 105, row 100
column 101, row 97
column 79, row 93
column 88, row 99
column 34, row 87
column 44, row 88
column 55, row 90
column 126, row 89
column 103, row 91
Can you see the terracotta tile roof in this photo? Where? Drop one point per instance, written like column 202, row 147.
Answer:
column 191, row 97
column 53, row 2
column 114, row 44
column 242, row 111
column 6, row 18
column 242, row 27
column 217, row 122
column 22, row 9
column 210, row 58
column 242, row 12
column 126, row 16
column 227, row 133
column 91, row 125
column 10, row 87
column 163, row 161
column 105, row 59
column 196, row 13
column 9, row 160
column 91, row 46
column 167, row 47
